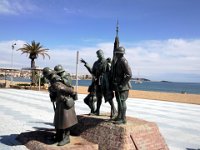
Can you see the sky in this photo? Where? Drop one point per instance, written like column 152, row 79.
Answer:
column 161, row 37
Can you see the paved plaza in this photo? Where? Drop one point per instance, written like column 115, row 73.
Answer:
column 26, row 110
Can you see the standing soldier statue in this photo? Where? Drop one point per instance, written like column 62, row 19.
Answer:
column 121, row 75
column 63, row 96
column 100, row 67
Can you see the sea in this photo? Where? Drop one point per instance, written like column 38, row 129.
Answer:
column 171, row 87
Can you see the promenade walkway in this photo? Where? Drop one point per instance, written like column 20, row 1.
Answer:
column 26, row 110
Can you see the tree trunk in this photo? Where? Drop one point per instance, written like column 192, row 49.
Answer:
column 33, row 78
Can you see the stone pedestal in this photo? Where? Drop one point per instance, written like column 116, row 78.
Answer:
column 137, row 134
column 98, row 132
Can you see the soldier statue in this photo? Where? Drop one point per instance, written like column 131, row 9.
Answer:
column 63, row 96
column 91, row 98
column 98, row 71
column 66, row 78
column 121, row 75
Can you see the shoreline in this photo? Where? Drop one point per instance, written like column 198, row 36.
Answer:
column 153, row 95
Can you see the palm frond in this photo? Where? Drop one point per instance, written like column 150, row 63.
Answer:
column 34, row 49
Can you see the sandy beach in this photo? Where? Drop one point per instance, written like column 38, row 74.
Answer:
column 173, row 97
column 163, row 96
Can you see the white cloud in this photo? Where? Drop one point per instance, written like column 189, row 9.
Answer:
column 165, row 57
column 11, row 7
column 173, row 59
column 5, row 7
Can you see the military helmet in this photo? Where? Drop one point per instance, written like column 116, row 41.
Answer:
column 46, row 71
column 120, row 50
column 59, row 69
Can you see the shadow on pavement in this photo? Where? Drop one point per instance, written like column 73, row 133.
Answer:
column 42, row 136
column 46, row 123
column 9, row 140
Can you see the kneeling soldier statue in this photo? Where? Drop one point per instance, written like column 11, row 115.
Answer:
column 63, row 96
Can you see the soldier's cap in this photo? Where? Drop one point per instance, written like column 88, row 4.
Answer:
column 99, row 51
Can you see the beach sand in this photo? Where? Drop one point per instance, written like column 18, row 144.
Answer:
column 163, row 96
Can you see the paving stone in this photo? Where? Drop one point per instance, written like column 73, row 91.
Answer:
column 26, row 110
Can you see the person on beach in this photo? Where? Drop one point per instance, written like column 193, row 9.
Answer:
column 100, row 67
column 121, row 75
column 65, row 115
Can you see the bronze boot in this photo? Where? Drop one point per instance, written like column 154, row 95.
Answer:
column 122, row 120
column 65, row 139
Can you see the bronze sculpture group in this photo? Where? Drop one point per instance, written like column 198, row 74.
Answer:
column 62, row 93
column 109, row 78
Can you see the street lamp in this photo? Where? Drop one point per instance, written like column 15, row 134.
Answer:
column 13, row 46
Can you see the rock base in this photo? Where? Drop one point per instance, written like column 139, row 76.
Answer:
column 137, row 134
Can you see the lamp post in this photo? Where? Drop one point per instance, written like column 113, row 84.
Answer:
column 77, row 58
column 13, row 46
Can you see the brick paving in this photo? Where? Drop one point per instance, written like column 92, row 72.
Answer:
column 26, row 110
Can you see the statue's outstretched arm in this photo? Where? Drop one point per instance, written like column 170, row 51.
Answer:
column 86, row 65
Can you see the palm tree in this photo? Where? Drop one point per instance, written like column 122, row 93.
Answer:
column 34, row 50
